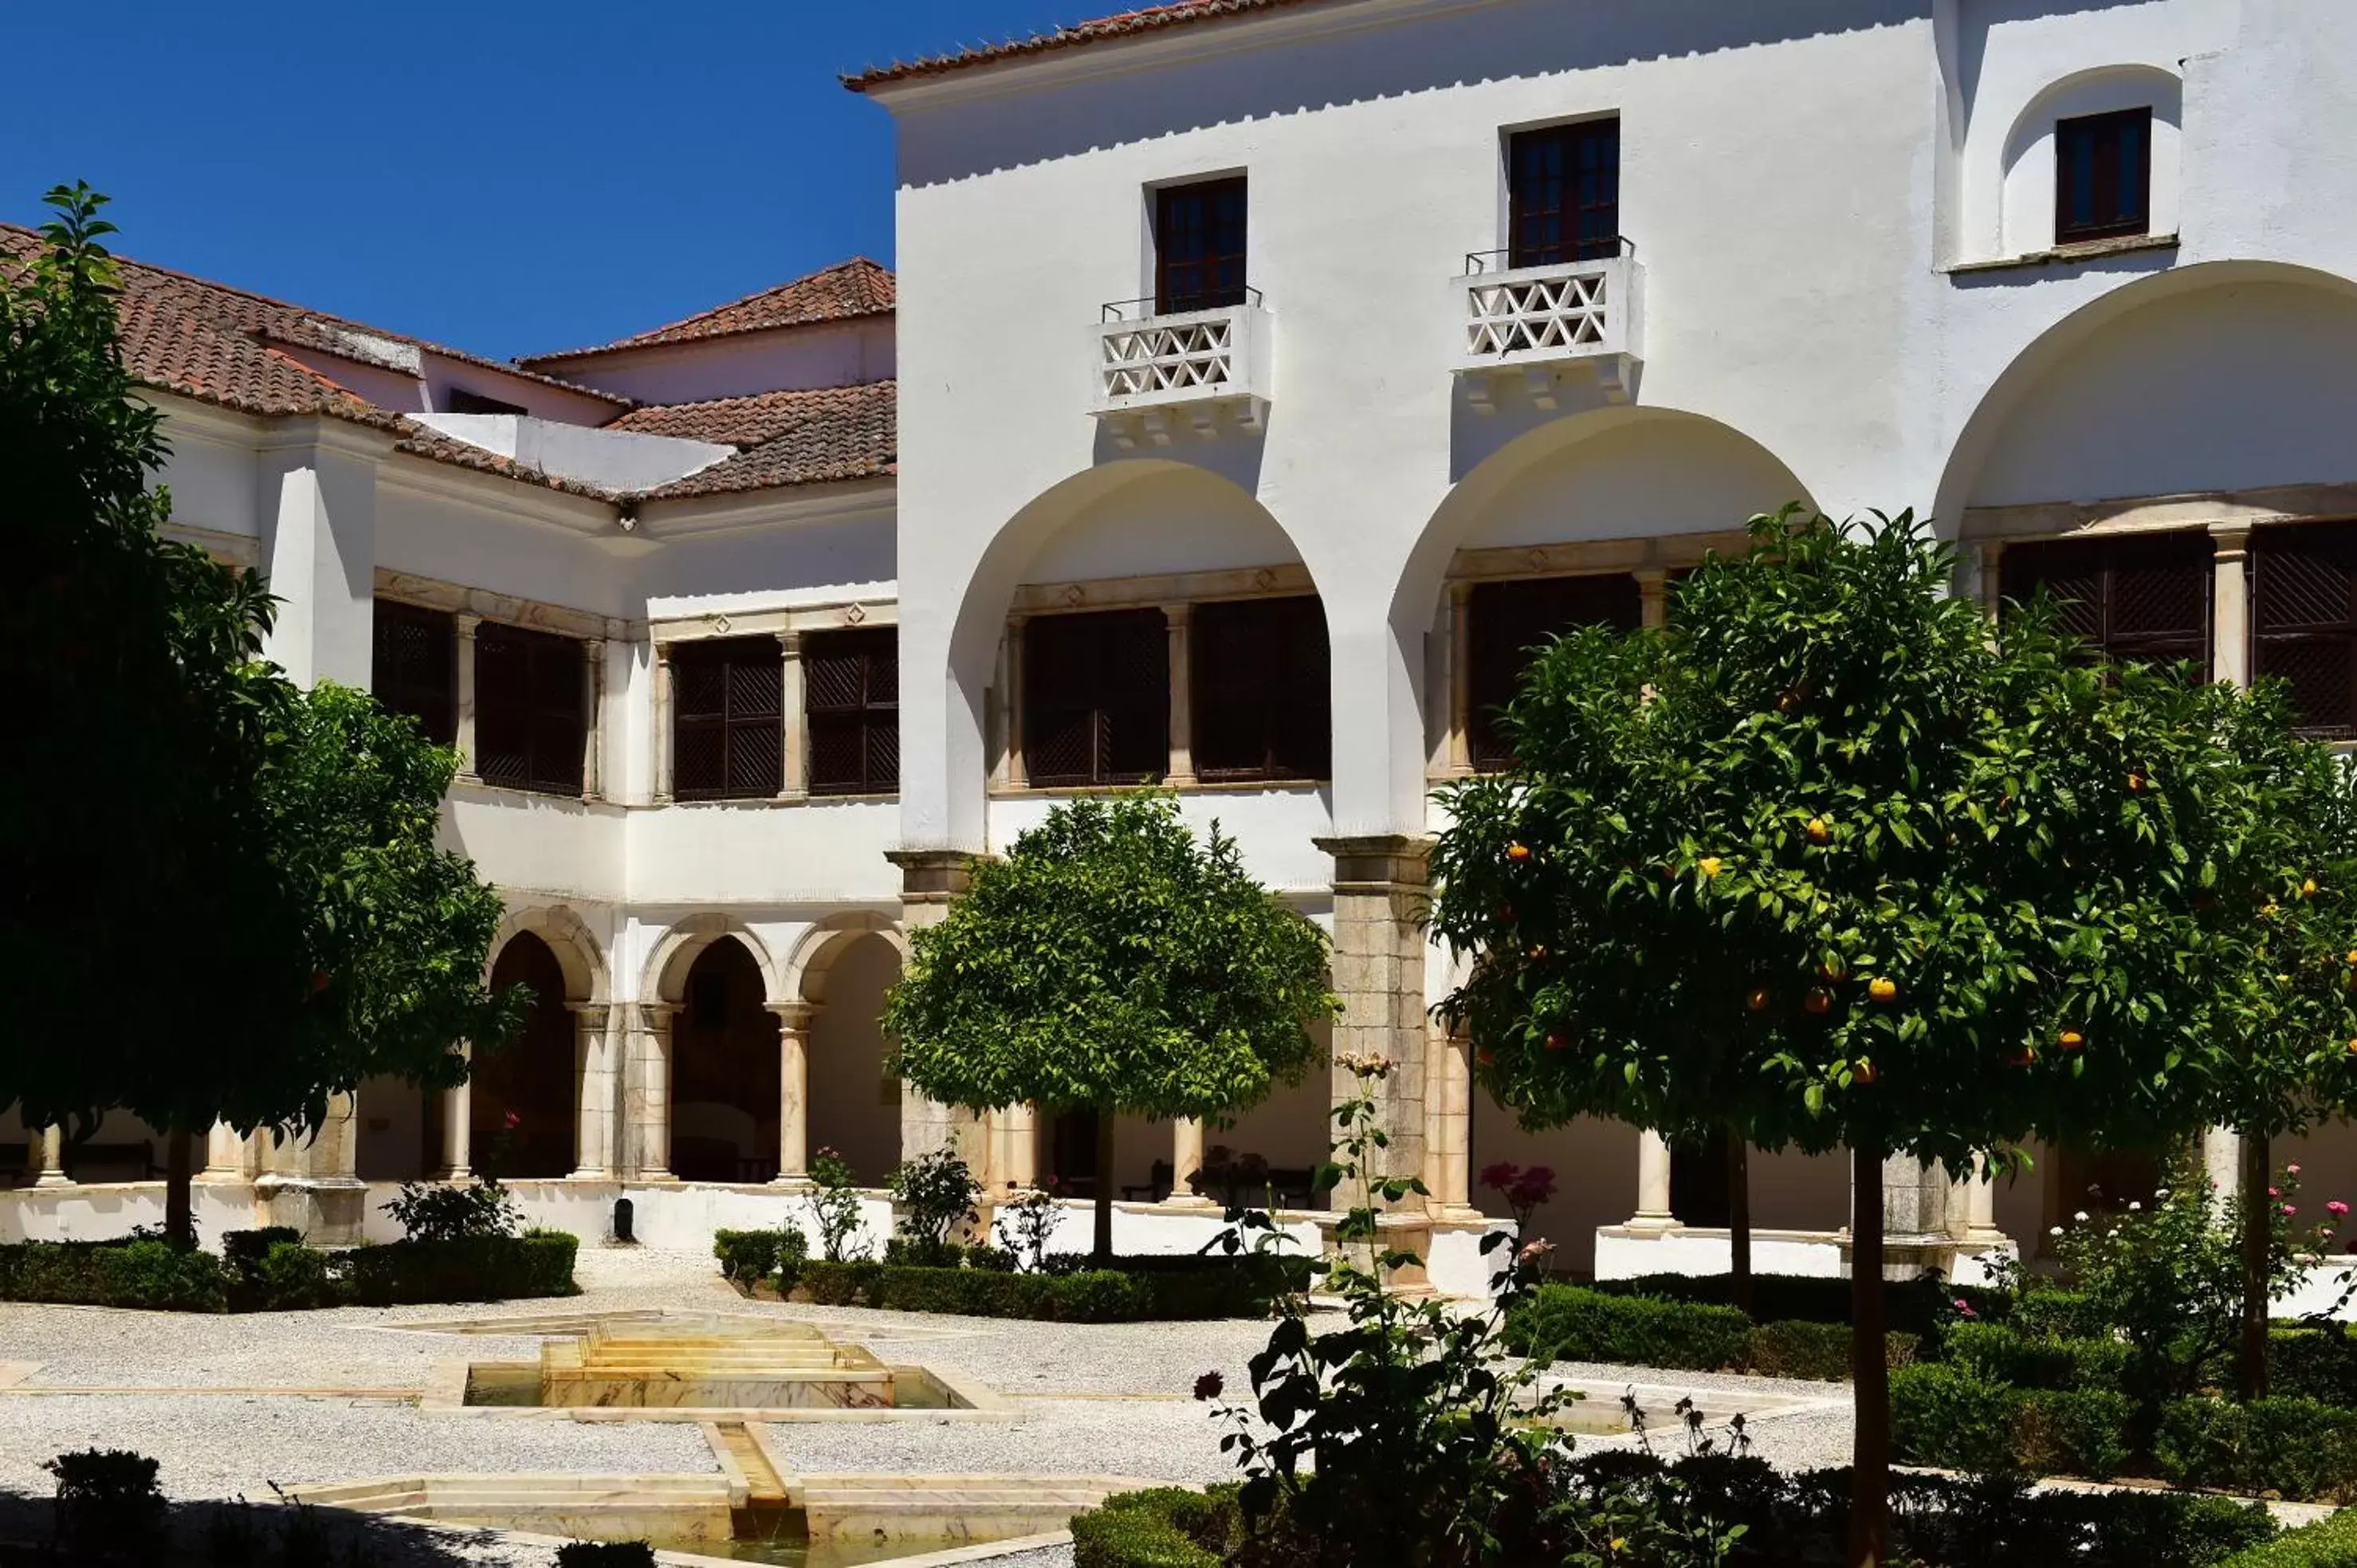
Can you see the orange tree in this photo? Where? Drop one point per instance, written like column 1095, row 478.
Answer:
column 1824, row 862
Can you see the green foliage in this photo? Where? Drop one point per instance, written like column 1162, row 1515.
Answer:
column 1164, row 1528
column 1571, row 1323
column 445, row 1211
column 933, row 1197
column 1026, row 1222
column 108, row 1504
column 2328, row 1543
column 1112, row 961
column 1919, row 1307
column 2313, row 1363
column 753, row 1257
column 833, row 1205
column 1944, row 1416
column 143, row 1274
column 2002, row 1353
column 474, row 1268
column 2074, row 1432
column 2297, row 1447
column 1243, row 1288
column 1819, row 1351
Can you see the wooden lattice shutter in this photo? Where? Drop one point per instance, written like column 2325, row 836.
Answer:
column 852, row 699
column 728, row 735
column 1259, row 689
column 1096, row 697
column 1511, row 622
column 529, row 711
column 415, row 666
column 2304, row 620
column 2134, row 598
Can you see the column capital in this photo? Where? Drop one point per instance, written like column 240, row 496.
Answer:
column 1179, row 612
column 1460, row 591
column 467, row 621
column 590, row 1014
column 659, row 1015
column 593, row 648
column 1380, row 860
column 790, row 643
column 2231, row 539
column 933, row 875
column 663, row 650
column 793, row 1017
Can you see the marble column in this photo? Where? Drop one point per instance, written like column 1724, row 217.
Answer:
column 662, row 708
column 1988, row 567
column 1015, row 1149
column 1180, row 619
column 2230, row 653
column 468, row 759
column 930, row 879
column 1653, row 598
column 1971, row 1208
column 793, row 708
column 1460, row 678
column 593, row 1078
column 1653, row 1211
column 593, row 709
column 1449, row 1129
column 794, row 1021
column 229, row 1155
column 1010, row 701
column 1381, row 887
column 458, row 1127
column 1186, row 1159
column 46, row 1155
column 646, row 1095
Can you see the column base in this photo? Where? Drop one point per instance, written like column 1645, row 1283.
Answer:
column 1464, row 1214
column 798, row 1181
column 1652, row 1222
column 591, row 1173
column 1982, row 1240
column 454, row 1173
column 53, row 1180
column 1188, row 1202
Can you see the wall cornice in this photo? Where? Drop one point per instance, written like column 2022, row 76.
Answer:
column 2145, row 514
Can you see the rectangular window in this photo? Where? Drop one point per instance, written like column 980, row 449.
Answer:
column 531, row 719
column 1096, row 698
column 2102, row 177
column 1198, row 245
column 1511, row 622
column 2304, row 620
column 414, row 669
column 728, row 728
column 1259, row 695
column 1564, row 194
column 851, row 681
column 2145, row 600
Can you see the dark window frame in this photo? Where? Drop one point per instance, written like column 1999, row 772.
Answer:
column 1086, row 701
column 2102, row 177
column 426, row 687
column 1260, row 684
column 851, row 709
column 1563, row 193
column 2111, row 569
column 1201, row 244
column 1511, row 617
column 728, row 719
column 541, row 746
column 2305, row 632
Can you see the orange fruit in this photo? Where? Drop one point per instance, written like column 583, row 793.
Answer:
column 1557, row 1043
column 2307, row 888
column 1819, row 1000
column 2071, row 1039
column 1709, row 866
column 1820, row 831
column 1758, row 999
column 1882, row 989
column 1518, row 853
column 2352, row 1048
column 1864, row 1072
column 2352, row 958
column 2136, row 783
column 2024, row 1059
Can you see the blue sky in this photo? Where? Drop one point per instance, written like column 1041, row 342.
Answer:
column 506, row 176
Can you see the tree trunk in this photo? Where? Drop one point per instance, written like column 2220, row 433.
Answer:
column 1102, row 1252
column 1869, row 1513
column 180, row 1201
column 1739, row 1218
column 2258, row 1223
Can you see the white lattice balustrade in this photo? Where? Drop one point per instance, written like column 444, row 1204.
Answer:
column 1158, row 374
column 1533, row 322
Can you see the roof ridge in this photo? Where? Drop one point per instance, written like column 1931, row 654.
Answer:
column 680, row 330
column 1149, row 19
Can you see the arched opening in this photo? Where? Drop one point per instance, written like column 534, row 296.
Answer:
column 725, row 1065
column 523, row 1122
column 854, row 1105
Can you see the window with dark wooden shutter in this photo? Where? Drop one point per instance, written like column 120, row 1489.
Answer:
column 2304, row 620
column 415, row 666
column 1096, row 698
column 851, row 681
column 530, row 717
column 727, row 726
column 1564, row 194
column 1198, row 245
column 2141, row 598
column 1258, row 695
column 2102, row 177
column 1511, row 623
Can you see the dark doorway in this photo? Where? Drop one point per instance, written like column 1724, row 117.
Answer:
column 521, row 1115
column 1072, row 1151
column 723, row 1072
column 1698, row 1190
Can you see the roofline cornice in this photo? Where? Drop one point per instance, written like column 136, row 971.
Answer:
column 749, row 512
column 524, row 498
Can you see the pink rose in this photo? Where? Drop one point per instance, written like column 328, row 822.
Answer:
column 2291, row 1170
column 2273, row 1193
column 2291, row 1209
column 2336, row 1209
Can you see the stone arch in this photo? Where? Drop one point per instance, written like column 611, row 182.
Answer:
column 2219, row 378
column 812, row 960
column 568, row 937
column 665, row 976
column 2016, row 174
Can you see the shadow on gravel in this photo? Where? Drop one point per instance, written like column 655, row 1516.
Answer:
column 240, row 1534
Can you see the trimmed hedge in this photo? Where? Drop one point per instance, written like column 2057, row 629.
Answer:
column 754, row 1257
column 1167, row 1527
column 270, row 1271
column 2313, row 1363
column 2328, row 1543
column 140, row 1274
column 1944, row 1416
column 1209, row 1288
column 1997, row 1353
column 1909, row 1306
column 470, row 1268
column 2297, row 1448
column 1575, row 1323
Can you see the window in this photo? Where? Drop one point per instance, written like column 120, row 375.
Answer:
column 530, row 715
column 458, row 400
column 1511, row 622
column 1260, row 698
column 415, row 666
column 851, row 685
column 1198, row 246
column 2304, row 620
column 2144, row 598
column 1564, row 194
column 727, row 731
column 2103, row 176
column 1096, row 698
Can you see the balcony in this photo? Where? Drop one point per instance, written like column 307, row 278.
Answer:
column 1532, row 323
column 1196, row 369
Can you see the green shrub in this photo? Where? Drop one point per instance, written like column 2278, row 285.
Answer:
column 1573, row 1323
column 108, row 1504
column 1164, row 1528
column 2328, row 1543
column 291, row 1275
column 749, row 1257
column 246, row 1249
column 1817, row 1350
column 1944, row 1415
column 1209, row 1288
column 1911, row 1306
column 2057, row 1315
column 472, row 1268
column 2319, row 1364
column 2297, row 1447
column 142, row 1274
column 2072, row 1432
column 2000, row 1353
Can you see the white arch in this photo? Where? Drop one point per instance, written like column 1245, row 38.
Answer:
column 568, row 937
column 664, row 978
column 2023, row 174
column 814, row 954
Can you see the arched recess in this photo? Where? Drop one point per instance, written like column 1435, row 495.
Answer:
column 665, row 976
column 569, row 940
column 2213, row 379
column 810, row 965
column 1132, row 519
column 522, row 1114
column 843, row 968
column 2020, row 196
column 725, row 1068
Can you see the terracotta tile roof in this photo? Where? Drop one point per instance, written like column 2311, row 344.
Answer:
column 1128, row 24
column 825, row 434
column 840, row 292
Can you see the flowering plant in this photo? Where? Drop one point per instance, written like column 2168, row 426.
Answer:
column 1523, row 1190
column 834, row 1206
column 1027, row 1219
